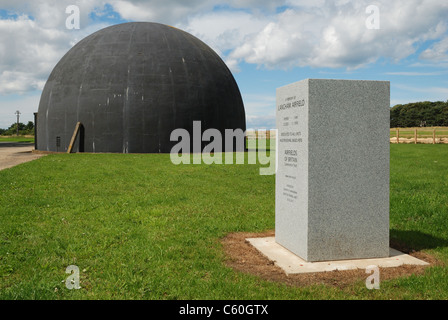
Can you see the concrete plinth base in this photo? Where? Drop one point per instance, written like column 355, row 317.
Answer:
column 293, row 264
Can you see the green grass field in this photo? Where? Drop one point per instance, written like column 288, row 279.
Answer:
column 139, row 227
column 16, row 139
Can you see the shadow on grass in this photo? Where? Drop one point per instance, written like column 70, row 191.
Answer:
column 7, row 144
column 409, row 240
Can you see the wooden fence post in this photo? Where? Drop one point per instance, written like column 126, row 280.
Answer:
column 434, row 136
column 415, row 136
column 398, row 135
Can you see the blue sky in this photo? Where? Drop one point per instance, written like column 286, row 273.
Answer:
column 266, row 44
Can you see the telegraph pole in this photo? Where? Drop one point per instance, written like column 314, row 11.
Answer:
column 18, row 117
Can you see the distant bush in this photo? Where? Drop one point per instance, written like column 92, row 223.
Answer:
column 27, row 129
column 419, row 114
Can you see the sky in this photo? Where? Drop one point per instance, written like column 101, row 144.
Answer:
column 266, row 44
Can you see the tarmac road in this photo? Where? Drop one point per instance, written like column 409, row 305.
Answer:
column 14, row 153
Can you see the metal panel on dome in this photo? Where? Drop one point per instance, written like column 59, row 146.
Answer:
column 131, row 85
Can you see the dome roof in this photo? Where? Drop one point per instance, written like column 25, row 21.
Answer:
column 131, row 85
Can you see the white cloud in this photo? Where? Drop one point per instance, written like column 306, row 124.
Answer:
column 50, row 14
column 303, row 33
column 334, row 35
column 130, row 11
column 19, row 82
column 411, row 73
column 33, row 41
column 169, row 12
column 224, row 30
column 438, row 52
column 28, row 53
column 31, row 44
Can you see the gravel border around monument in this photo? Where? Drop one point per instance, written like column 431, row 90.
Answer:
column 293, row 264
column 243, row 257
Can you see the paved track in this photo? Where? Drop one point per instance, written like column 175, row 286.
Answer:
column 13, row 153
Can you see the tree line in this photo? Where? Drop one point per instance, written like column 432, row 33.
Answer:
column 24, row 129
column 414, row 114
column 419, row 114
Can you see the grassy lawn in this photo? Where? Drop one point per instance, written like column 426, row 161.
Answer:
column 16, row 139
column 139, row 227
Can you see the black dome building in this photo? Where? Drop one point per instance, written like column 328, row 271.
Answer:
column 130, row 85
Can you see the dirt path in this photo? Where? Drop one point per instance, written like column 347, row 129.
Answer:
column 12, row 154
